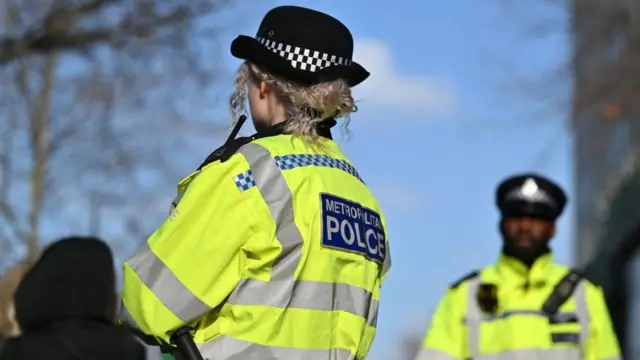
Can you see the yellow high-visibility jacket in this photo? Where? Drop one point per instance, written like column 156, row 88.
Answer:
column 275, row 250
column 519, row 329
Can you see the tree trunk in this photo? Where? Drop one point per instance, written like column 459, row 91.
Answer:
column 40, row 145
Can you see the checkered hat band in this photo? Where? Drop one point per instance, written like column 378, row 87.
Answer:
column 304, row 59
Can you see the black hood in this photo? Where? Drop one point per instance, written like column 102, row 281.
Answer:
column 74, row 278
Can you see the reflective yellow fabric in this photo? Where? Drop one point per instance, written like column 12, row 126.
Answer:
column 519, row 330
column 243, row 256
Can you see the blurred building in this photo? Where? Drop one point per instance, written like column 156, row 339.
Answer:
column 606, row 126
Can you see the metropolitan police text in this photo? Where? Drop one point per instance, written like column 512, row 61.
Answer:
column 349, row 226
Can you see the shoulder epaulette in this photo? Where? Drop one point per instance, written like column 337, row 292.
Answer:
column 224, row 152
column 469, row 276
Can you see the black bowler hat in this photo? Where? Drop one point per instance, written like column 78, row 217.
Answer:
column 302, row 45
column 530, row 195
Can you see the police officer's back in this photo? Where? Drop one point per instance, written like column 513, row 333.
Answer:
column 275, row 248
column 505, row 311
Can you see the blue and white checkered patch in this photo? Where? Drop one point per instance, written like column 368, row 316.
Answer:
column 287, row 162
column 245, row 181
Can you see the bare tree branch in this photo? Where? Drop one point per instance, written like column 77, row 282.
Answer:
column 600, row 71
column 596, row 88
column 58, row 31
column 97, row 97
column 40, row 144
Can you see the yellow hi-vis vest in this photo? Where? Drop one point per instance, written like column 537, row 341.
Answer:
column 460, row 329
column 277, row 252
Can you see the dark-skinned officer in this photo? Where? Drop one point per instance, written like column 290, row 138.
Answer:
column 525, row 306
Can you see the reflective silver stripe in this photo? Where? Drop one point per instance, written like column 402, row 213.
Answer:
column 312, row 295
column 372, row 317
column 559, row 353
column 282, row 290
column 432, row 354
column 276, row 193
column 580, row 298
column 559, row 318
column 228, row 348
column 473, row 317
column 166, row 286
column 386, row 265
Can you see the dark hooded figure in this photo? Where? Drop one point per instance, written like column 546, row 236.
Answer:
column 64, row 307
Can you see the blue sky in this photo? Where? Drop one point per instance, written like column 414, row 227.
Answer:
column 440, row 124
column 434, row 162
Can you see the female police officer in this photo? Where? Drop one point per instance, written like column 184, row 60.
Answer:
column 276, row 249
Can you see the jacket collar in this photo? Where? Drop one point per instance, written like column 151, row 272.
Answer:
column 324, row 129
column 233, row 144
column 512, row 270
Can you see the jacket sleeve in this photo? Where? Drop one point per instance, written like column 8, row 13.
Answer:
column 603, row 343
column 445, row 338
column 193, row 261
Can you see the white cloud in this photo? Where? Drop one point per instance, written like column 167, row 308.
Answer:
column 388, row 87
column 397, row 197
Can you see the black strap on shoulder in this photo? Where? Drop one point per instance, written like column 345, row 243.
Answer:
column 232, row 145
column 562, row 291
column 229, row 147
column 469, row 276
column 224, row 152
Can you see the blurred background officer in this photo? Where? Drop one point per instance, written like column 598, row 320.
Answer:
column 498, row 313
column 276, row 249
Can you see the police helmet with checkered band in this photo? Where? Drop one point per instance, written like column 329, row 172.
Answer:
column 302, row 45
column 530, row 195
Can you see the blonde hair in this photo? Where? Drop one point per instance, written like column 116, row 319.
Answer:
column 9, row 327
column 306, row 106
